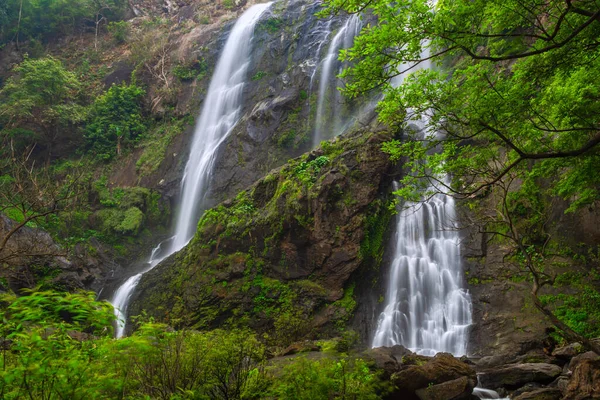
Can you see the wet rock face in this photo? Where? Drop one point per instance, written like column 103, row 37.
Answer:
column 31, row 258
column 280, row 97
column 282, row 252
column 506, row 322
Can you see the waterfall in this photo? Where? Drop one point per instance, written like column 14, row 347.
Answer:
column 220, row 113
column 427, row 308
column 329, row 120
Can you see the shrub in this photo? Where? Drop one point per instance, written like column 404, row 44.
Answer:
column 115, row 121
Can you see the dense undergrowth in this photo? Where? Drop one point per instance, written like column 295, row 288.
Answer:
column 57, row 346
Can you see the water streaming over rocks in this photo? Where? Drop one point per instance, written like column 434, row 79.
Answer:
column 220, row 113
column 331, row 119
column 427, row 308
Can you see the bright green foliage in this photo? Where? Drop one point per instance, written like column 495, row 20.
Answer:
column 502, row 97
column 326, row 379
column 77, row 311
column 43, row 18
column 187, row 365
column 522, row 87
column 48, row 355
column 41, row 357
column 307, row 171
column 39, row 102
column 115, row 121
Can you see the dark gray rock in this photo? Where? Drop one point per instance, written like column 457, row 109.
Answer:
column 387, row 359
column 568, row 351
column 439, row 369
column 513, row 376
column 457, row 389
column 540, row 394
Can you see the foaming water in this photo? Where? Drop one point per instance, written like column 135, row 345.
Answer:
column 220, row 113
column 427, row 308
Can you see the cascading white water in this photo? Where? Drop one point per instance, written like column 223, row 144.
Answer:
column 328, row 123
column 220, row 113
column 427, row 308
column 123, row 293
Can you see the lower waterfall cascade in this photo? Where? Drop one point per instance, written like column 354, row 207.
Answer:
column 427, row 309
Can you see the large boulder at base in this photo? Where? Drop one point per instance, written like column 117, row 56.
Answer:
column 540, row 394
column 387, row 359
column 457, row 389
column 513, row 376
column 439, row 369
column 585, row 381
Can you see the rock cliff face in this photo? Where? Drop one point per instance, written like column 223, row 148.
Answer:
column 280, row 96
column 31, row 258
column 506, row 324
column 286, row 254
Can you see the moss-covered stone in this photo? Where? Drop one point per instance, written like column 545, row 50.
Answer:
column 279, row 256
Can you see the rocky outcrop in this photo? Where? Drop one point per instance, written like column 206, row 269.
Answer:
column 442, row 377
column 513, row 376
column 31, row 258
column 280, row 255
column 585, row 380
column 456, row 389
column 441, row 369
column 540, row 394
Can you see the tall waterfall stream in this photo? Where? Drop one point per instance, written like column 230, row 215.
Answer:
column 219, row 115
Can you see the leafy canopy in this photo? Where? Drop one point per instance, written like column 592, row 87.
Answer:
column 513, row 90
column 42, row 19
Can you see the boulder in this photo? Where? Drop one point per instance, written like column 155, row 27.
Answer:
column 513, row 376
column 540, row 394
column 457, row 389
column 439, row 369
column 568, row 351
column 387, row 359
column 585, row 381
column 588, row 355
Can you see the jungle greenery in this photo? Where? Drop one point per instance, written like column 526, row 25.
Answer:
column 22, row 20
column 510, row 109
column 58, row 345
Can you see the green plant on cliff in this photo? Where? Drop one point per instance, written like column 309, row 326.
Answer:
column 115, row 121
column 513, row 100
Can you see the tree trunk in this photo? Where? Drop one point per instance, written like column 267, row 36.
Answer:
column 569, row 333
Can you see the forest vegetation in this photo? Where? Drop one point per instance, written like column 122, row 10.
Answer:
column 512, row 106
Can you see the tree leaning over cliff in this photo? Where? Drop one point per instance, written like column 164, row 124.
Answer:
column 515, row 93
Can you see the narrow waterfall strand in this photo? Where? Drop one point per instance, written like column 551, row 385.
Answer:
column 219, row 115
